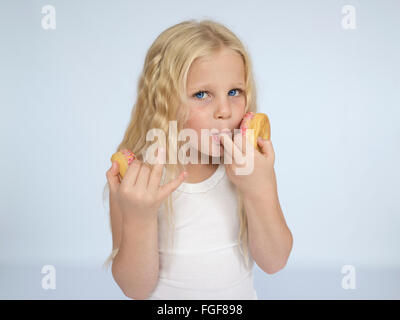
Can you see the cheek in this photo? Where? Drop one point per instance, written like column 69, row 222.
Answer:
column 241, row 104
column 196, row 123
column 198, row 119
column 240, row 112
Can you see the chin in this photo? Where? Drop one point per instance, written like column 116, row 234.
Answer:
column 211, row 154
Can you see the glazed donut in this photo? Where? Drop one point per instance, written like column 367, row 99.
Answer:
column 260, row 123
column 124, row 159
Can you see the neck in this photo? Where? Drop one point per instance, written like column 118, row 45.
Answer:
column 199, row 172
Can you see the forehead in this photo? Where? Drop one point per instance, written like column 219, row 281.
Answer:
column 224, row 66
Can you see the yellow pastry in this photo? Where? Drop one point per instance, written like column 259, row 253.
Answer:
column 260, row 123
column 124, row 159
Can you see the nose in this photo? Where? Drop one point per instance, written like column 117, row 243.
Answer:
column 223, row 109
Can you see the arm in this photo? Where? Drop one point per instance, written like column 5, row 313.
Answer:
column 134, row 204
column 135, row 267
column 270, row 240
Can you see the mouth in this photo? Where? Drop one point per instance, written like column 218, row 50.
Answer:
column 216, row 135
column 220, row 132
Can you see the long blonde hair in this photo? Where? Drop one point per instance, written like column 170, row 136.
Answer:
column 162, row 88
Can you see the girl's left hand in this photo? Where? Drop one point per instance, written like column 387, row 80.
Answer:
column 262, row 177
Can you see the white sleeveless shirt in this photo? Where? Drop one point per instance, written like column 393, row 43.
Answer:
column 204, row 261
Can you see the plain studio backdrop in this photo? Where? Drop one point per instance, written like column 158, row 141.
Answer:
column 328, row 77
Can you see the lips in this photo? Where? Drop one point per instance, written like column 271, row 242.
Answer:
column 216, row 138
column 220, row 132
column 216, row 135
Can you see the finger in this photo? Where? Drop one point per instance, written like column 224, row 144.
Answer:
column 112, row 175
column 243, row 141
column 156, row 172
column 131, row 173
column 245, row 144
column 230, row 147
column 167, row 189
column 143, row 176
column 266, row 147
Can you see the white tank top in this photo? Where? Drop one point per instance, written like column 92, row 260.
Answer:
column 205, row 261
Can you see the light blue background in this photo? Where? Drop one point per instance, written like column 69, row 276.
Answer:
column 332, row 95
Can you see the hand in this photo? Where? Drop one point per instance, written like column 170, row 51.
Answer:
column 262, row 178
column 139, row 194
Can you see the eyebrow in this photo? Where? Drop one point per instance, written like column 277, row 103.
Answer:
column 202, row 85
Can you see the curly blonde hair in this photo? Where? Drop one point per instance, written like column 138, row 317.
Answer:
column 162, row 88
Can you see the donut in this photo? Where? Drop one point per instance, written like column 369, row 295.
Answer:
column 260, row 123
column 124, row 159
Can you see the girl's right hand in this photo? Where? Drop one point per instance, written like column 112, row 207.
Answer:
column 139, row 194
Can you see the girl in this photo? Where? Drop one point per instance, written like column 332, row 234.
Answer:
column 198, row 74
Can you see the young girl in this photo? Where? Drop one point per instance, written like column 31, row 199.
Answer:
column 199, row 75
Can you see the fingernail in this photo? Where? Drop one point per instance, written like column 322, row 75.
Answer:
column 185, row 174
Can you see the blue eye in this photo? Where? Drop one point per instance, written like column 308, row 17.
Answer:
column 237, row 89
column 240, row 91
column 198, row 93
